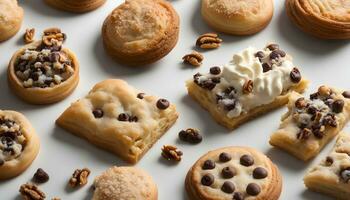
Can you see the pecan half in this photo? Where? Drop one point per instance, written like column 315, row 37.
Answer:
column 209, row 41
column 304, row 134
column 79, row 177
column 324, row 90
column 194, row 58
column 248, row 87
column 29, row 35
column 170, row 152
column 31, row 192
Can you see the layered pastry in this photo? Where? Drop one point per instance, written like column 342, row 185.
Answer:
column 237, row 17
column 11, row 17
column 77, row 6
column 44, row 72
column 140, row 32
column 253, row 83
column 332, row 175
column 234, row 173
column 19, row 144
column 129, row 183
column 327, row 19
column 119, row 118
column 311, row 123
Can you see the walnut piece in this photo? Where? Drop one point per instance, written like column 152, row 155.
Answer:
column 194, row 58
column 31, row 192
column 29, row 35
column 53, row 36
column 170, row 152
column 79, row 177
column 209, row 41
column 248, row 87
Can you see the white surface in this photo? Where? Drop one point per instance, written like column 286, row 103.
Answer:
column 323, row 62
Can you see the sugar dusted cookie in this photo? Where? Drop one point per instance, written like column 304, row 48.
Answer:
column 19, row 144
column 311, row 123
column 253, row 83
column 77, row 6
column 233, row 173
column 129, row 183
column 119, row 118
column 11, row 17
column 332, row 175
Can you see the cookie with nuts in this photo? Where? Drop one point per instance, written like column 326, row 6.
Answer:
column 119, row 118
column 332, row 175
column 311, row 123
column 236, row 173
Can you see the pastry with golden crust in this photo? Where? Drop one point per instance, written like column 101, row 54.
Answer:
column 234, row 173
column 140, row 32
column 11, row 17
column 332, row 175
column 327, row 19
column 237, row 17
column 311, row 123
column 44, row 72
column 119, row 118
column 77, row 6
column 19, row 144
column 253, row 83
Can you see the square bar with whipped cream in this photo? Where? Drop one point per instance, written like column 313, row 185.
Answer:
column 253, row 83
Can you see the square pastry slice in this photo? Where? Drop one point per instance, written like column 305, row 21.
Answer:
column 253, row 83
column 332, row 175
column 311, row 123
column 119, row 118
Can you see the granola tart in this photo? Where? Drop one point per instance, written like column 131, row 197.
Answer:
column 255, row 82
column 19, row 144
column 119, row 118
column 311, row 123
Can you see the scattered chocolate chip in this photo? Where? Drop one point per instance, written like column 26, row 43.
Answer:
column 228, row 187
column 40, row 176
column 311, row 110
column 273, row 47
column 295, row 75
column 208, row 164
column 238, row 196
column 259, row 54
column 141, row 95
column 190, row 135
column 260, row 173
column 98, row 113
column 277, row 54
column 329, row 161
column 224, row 157
column 228, row 172
column 338, row 106
column 266, row 67
column 345, row 175
column 314, row 96
column 318, row 131
column 253, row 189
column 208, row 84
column 163, row 104
column 215, row 70
column 207, row 180
column 123, row 117
column 216, row 80
column 330, row 120
column 247, row 160
column 346, row 94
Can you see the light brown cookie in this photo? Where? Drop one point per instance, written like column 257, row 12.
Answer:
column 19, row 144
column 129, row 183
column 238, row 173
column 332, row 175
column 140, row 32
column 119, row 118
column 11, row 17
column 237, row 17
column 78, row 6
column 311, row 123
column 43, row 72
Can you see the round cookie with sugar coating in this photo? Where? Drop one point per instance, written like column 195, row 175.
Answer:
column 11, row 17
column 234, row 173
column 125, row 183
column 77, row 6
column 237, row 17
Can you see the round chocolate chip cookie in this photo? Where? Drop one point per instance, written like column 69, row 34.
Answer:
column 234, row 173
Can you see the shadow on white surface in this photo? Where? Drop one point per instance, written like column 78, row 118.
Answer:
column 309, row 195
column 283, row 159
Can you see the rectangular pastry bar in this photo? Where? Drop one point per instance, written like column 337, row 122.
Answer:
column 311, row 123
column 119, row 118
column 255, row 82
column 332, row 175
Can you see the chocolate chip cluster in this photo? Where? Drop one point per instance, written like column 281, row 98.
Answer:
column 227, row 99
column 208, row 82
column 229, row 172
column 12, row 141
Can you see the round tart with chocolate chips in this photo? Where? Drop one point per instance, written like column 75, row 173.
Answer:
column 234, row 173
column 19, row 144
column 44, row 72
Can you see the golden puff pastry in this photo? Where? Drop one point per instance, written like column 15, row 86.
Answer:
column 44, row 72
column 237, row 17
column 19, row 144
column 119, row 118
column 77, row 6
column 11, row 17
column 140, row 32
